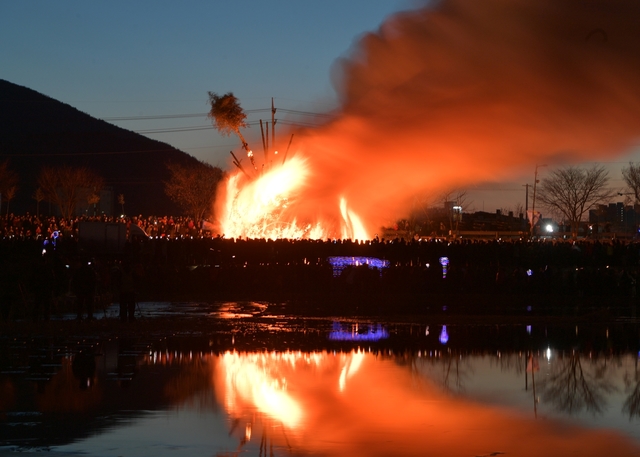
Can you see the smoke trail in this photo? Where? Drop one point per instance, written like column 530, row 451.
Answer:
column 465, row 91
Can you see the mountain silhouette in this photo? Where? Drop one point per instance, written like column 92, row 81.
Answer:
column 37, row 131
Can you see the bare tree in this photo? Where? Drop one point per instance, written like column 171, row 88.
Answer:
column 10, row 193
column 420, row 211
column 517, row 210
column 121, row 201
column 93, row 197
column 193, row 187
column 8, row 180
column 631, row 176
column 38, row 196
column 569, row 388
column 632, row 403
column 458, row 198
column 66, row 186
column 573, row 191
column 228, row 117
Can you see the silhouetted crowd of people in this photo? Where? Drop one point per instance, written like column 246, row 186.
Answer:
column 43, row 273
column 28, row 226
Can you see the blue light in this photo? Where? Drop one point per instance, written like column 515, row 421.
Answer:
column 339, row 263
column 444, row 336
column 444, row 261
column 358, row 332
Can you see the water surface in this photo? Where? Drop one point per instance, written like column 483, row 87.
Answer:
column 272, row 384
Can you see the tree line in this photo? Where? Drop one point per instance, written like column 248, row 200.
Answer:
column 570, row 192
column 192, row 187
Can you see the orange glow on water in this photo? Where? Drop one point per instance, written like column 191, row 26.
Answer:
column 263, row 381
column 359, row 403
column 255, row 379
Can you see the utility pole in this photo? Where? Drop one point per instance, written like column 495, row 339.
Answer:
column 287, row 151
column 264, row 144
column 273, row 124
column 533, row 203
column 526, row 199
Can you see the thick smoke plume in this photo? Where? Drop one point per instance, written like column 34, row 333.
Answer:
column 462, row 92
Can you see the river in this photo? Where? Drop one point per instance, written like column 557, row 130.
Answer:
column 246, row 379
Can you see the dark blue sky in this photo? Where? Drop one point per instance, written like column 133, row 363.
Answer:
column 144, row 58
column 133, row 59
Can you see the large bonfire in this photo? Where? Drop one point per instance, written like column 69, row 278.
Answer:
column 268, row 207
column 451, row 95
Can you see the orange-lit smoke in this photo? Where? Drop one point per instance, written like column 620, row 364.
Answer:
column 462, row 92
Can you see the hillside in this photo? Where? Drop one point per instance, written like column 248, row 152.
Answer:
column 36, row 130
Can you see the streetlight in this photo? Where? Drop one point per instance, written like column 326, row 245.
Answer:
column 533, row 203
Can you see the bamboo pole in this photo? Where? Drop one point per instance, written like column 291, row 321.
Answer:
column 264, row 145
column 273, row 124
column 287, row 151
column 236, row 162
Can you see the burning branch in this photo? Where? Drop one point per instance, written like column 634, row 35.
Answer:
column 228, row 117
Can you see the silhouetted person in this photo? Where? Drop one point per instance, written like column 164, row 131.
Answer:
column 43, row 283
column 83, row 284
column 83, row 367
column 125, row 281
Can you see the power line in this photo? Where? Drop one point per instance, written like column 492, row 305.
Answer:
column 160, row 116
column 194, row 115
column 304, row 113
column 211, row 127
column 169, row 116
column 58, row 154
column 175, row 129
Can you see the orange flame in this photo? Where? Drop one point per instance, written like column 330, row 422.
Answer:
column 268, row 207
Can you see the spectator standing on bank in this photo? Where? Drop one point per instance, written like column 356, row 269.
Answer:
column 43, row 283
column 83, row 284
column 125, row 282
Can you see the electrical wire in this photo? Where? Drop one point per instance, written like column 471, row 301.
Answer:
column 211, row 127
column 196, row 115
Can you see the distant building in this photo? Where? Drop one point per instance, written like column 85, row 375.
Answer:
column 616, row 218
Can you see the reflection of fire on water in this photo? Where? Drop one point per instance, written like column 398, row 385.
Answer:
column 262, row 380
column 255, row 379
column 366, row 404
column 266, row 207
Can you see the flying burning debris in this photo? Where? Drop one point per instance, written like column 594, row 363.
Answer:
column 453, row 94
